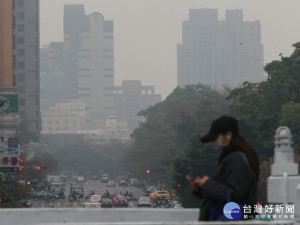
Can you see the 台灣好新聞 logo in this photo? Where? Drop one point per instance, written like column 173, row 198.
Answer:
column 232, row 211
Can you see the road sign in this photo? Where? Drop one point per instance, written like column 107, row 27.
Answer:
column 13, row 145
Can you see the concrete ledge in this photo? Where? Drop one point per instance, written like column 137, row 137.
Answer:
column 97, row 215
column 115, row 216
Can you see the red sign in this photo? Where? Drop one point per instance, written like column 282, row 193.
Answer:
column 22, row 166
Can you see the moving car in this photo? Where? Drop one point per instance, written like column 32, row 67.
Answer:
column 144, row 201
column 160, row 194
column 95, row 198
column 123, row 183
column 105, row 178
column 106, row 202
column 178, row 206
column 111, row 184
column 120, row 200
column 57, row 191
column 39, row 195
column 80, row 179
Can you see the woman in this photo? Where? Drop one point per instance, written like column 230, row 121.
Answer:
column 236, row 176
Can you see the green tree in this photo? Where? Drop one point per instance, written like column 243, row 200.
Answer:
column 169, row 126
column 258, row 106
column 290, row 117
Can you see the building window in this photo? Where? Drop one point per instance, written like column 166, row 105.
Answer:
column 21, row 15
column 22, row 102
column 20, row 40
column 21, row 52
column 22, row 90
column 21, row 77
column 21, row 28
column 20, row 3
column 21, row 65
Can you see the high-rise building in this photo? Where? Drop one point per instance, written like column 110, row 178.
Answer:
column 57, row 84
column 96, row 71
column 6, row 43
column 9, row 117
column 27, row 64
column 132, row 97
column 219, row 52
column 82, row 67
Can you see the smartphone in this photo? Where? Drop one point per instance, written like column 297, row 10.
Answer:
column 189, row 178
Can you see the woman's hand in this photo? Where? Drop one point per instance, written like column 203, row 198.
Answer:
column 199, row 182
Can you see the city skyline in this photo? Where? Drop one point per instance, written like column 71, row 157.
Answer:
column 146, row 39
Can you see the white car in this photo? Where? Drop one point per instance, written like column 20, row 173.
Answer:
column 144, row 201
column 178, row 206
column 80, row 179
column 95, row 199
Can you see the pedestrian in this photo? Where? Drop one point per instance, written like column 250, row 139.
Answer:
column 235, row 178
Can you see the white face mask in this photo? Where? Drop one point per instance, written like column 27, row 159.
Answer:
column 218, row 143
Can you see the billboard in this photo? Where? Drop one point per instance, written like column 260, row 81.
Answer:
column 9, row 103
column 9, row 163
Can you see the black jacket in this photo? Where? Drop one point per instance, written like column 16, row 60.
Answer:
column 234, row 172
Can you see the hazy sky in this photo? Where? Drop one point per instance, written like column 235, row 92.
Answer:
column 146, row 32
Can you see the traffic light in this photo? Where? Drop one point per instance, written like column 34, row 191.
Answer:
column 148, row 171
column 37, row 167
column 28, row 182
column 178, row 185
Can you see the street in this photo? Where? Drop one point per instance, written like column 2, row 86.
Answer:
column 89, row 185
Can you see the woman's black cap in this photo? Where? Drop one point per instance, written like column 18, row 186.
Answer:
column 221, row 126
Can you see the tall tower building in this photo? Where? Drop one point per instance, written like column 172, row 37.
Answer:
column 88, row 41
column 82, row 67
column 219, row 52
column 9, row 117
column 27, row 46
column 6, row 43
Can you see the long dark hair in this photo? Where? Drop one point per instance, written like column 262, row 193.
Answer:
column 238, row 141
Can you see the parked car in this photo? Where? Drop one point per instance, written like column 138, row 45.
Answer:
column 120, row 200
column 144, row 201
column 123, row 183
column 106, row 202
column 95, row 198
column 160, row 194
column 111, row 184
column 104, row 178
